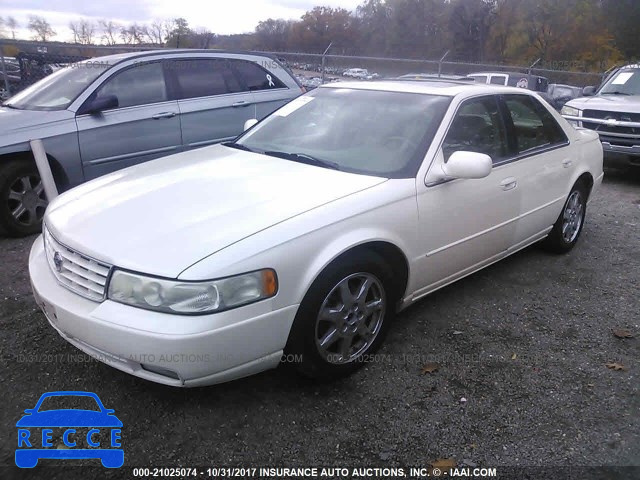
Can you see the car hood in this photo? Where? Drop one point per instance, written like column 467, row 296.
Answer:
column 69, row 418
column 162, row 216
column 613, row 103
column 14, row 121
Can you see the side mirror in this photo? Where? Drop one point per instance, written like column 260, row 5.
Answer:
column 249, row 123
column 468, row 165
column 29, row 411
column 588, row 91
column 100, row 104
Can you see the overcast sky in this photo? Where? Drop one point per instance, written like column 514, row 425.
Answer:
column 219, row 16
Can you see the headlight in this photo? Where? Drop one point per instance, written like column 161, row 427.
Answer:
column 174, row 296
column 571, row 111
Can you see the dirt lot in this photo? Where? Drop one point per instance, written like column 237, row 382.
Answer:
column 522, row 381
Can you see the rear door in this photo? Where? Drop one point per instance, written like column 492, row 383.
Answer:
column 541, row 162
column 144, row 126
column 213, row 103
column 269, row 90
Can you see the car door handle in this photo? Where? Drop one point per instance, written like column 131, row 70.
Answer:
column 566, row 163
column 158, row 116
column 508, row 183
column 241, row 103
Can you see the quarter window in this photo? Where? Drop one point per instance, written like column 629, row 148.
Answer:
column 477, row 127
column 203, row 78
column 534, row 126
column 256, row 77
column 139, row 85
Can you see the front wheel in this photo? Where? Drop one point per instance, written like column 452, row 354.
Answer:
column 343, row 317
column 566, row 231
column 22, row 198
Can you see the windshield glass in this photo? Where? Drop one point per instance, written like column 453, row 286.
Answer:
column 361, row 131
column 625, row 82
column 58, row 90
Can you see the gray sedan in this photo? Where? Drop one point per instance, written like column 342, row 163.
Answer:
column 112, row 112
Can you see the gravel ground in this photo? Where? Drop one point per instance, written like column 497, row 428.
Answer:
column 521, row 349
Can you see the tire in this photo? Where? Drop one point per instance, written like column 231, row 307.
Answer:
column 566, row 231
column 360, row 322
column 22, row 199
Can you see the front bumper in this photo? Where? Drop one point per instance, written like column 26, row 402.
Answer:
column 183, row 351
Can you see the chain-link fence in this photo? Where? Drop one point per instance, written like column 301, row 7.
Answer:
column 22, row 63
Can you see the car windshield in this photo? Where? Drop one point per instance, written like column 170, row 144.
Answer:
column 369, row 132
column 58, row 90
column 66, row 402
column 625, row 82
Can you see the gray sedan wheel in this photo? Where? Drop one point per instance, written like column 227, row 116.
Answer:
column 22, row 199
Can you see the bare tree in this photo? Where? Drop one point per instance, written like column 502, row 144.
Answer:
column 41, row 29
column 126, row 35
column 75, row 31
column 134, row 34
column 87, row 31
column 110, row 31
column 156, row 32
column 2, row 27
column 13, row 25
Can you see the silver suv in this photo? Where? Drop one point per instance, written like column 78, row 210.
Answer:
column 112, row 112
column 613, row 111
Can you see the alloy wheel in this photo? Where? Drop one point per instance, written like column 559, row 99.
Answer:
column 27, row 200
column 350, row 318
column 572, row 217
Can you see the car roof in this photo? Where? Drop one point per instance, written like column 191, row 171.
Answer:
column 449, row 88
column 121, row 57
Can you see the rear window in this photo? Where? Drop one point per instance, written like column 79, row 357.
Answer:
column 255, row 77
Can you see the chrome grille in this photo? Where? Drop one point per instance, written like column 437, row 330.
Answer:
column 79, row 273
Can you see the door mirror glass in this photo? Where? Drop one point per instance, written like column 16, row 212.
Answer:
column 99, row 104
column 588, row 91
column 249, row 123
column 463, row 164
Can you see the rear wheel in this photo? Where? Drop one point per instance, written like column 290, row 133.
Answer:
column 22, row 198
column 343, row 317
column 566, row 231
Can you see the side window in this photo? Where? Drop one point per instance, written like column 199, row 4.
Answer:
column 139, row 85
column 203, row 77
column 498, row 80
column 534, row 126
column 256, row 77
column 477, row 127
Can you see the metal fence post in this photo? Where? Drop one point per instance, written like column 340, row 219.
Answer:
column 440, row 62
column 324, row 56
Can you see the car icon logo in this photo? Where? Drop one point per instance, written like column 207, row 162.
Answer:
column 57, row 261
column 69, row 433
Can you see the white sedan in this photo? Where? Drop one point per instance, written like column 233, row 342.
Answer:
column 309, row 232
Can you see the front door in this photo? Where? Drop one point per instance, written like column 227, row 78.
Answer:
column 467, row 223
column 144, row 126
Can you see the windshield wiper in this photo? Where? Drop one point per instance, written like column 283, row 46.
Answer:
column 615, row 92
column 239, row 146
column 8, row 105
column 304, row 158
